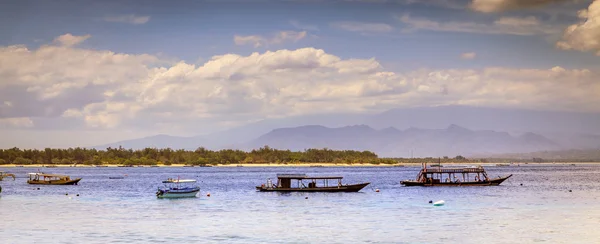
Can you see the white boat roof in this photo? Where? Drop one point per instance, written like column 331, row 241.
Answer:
column 179, row 181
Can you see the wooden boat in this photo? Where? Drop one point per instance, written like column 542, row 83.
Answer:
column 436, row 176
column 51, row 179
column 284, row 184
column 5, row 175
column 173, row 189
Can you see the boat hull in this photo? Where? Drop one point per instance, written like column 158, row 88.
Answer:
column 344, row 188
column 494, row 182
column 54, row 182
column 177, row 194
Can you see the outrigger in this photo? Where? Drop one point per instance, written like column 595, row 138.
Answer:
column 434, row 176
column 284, row 184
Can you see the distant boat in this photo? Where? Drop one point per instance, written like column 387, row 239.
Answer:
column 502, row 165
column 433, row 177
column 284, row 184
column 173, row 189
column 51, row 179
column 101, row 166
column 4, row 175
column 116, row 177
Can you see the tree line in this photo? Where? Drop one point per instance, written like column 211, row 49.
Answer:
column 200, row 156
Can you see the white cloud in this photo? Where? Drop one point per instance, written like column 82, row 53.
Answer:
column 470, row 55
column 585, row 35
column 362, row 26
column 70, row 40
column 280, row 37
column 518, row 22
column 103, row 89
column 255, row 40
column 505, row 25
column 128, row 18
column 488, row 6
column 15, row 123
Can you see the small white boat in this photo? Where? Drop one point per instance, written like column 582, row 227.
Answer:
column 173, row 189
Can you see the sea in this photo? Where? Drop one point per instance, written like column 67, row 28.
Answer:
column 538, row 204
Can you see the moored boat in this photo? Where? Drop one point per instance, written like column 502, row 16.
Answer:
column 435, row 177
column 5, row 175
column 284, row 184
column 51, row 179
column 173, row 189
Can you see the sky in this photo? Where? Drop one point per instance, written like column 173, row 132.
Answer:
column 84, row 73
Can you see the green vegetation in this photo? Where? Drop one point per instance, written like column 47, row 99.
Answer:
column 200, row 156
column 264, row 155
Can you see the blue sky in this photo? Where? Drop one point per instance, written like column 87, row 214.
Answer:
column 122, row 69
column 190, row 30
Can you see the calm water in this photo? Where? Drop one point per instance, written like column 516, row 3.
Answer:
column 124, row 211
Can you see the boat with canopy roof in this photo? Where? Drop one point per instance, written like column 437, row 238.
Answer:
column 285, row 184
column 173, row 189
column 51, row 179
column 437, row 176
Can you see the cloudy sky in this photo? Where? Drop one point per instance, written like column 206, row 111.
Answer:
column 82, row 73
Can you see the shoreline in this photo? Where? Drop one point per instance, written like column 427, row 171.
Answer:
column 300, row 165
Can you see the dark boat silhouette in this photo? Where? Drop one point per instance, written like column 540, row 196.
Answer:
column 295, row 183
column 436, row 176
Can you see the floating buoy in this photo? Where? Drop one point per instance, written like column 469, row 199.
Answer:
column 521, row 183
column 77, row 194
column 208, row 194
column 38, row 188
column 570, row 191
column 306, row 198
column 430, row 201
column 376, row 190
column 66, row 194
column 439, row 203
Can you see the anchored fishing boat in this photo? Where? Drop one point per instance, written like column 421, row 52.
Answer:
column 51, row 179
column 284, row 184
column 436, row 176
column 5, row 175
column 173, row 189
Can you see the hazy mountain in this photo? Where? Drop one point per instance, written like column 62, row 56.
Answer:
column 479, row 118
column 234, row 138
column 391, row 142
column 158, row 141
column 568, row 129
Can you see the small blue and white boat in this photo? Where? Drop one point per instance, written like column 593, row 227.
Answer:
column 173, row 189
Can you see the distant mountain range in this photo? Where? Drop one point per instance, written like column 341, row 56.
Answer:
column 391, row 142
column 482, row 131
